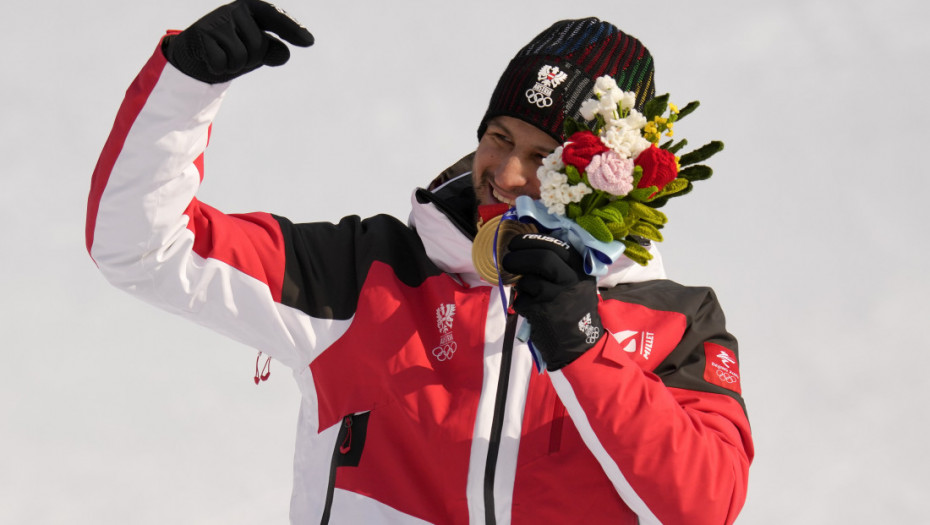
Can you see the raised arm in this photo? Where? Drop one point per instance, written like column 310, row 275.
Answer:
column 146, row 230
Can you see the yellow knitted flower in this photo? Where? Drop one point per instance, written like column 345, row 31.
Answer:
column 651, row 132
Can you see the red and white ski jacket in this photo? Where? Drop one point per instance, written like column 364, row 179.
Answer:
column 418, row 404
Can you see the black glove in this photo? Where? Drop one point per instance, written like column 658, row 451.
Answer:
column 232, row 40
column 555, row 296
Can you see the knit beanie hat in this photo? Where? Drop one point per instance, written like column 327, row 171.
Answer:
column 552, row 75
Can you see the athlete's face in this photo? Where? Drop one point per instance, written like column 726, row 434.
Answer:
column 508, row 155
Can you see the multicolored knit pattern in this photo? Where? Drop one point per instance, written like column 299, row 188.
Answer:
column 551, row 76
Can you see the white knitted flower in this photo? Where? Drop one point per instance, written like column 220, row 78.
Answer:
column 556, row 209
column 604, row 85
column 607, row 107
column 550, row 179
column 590, row 108
column 615, row 95
column 553, row 161
column 555, row 192
column 639, row 145
column 635, row 120
column 578, row 191
column 628, row 100
column 554, row 200
column 620, row 139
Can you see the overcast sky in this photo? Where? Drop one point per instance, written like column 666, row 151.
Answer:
column 813, row 231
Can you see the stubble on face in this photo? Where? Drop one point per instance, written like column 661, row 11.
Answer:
column 509, row 140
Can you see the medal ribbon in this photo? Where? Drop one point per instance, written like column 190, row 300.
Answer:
column 524, row 332
column 597, row 255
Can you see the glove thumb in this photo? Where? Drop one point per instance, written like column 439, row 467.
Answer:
column 277, row 53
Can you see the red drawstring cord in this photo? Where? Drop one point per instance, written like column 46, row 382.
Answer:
column 266, row 369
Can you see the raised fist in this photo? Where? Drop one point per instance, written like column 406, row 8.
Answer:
column 233, row 40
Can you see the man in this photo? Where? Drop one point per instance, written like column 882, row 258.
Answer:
column 418, row 402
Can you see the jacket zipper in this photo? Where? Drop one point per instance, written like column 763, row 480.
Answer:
column 497, row 423
column 344, row 439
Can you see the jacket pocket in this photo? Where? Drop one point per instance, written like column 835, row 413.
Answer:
column 347, row 452
column 351, row 440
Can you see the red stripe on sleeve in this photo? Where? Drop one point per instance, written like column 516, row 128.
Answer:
column 136, row 97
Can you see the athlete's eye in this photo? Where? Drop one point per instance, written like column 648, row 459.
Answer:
column 501, row 137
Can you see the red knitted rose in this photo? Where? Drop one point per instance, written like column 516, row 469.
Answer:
column 581, row 147
column 659, row 167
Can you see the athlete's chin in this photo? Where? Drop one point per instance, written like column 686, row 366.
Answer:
column 484, row 195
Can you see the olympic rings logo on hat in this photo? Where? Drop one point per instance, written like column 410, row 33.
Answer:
column 549, row 78
column 535, row 97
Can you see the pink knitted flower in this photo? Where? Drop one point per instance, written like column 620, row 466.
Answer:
column 611, row 172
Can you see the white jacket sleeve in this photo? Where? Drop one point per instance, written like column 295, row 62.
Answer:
column 150, row 236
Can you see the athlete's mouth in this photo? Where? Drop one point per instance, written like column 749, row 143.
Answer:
column 501, row 198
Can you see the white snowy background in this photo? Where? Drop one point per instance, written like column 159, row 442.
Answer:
column 813, row 231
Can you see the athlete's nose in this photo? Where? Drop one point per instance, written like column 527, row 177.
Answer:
column 511, row 173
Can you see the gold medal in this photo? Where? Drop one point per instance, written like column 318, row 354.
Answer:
column 482, row 250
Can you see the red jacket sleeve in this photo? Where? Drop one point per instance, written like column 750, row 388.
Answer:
column 658, row 403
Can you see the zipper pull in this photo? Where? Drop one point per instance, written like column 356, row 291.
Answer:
column 346, row 444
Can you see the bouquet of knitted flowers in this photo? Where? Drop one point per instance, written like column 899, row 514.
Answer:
column 612, row 174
